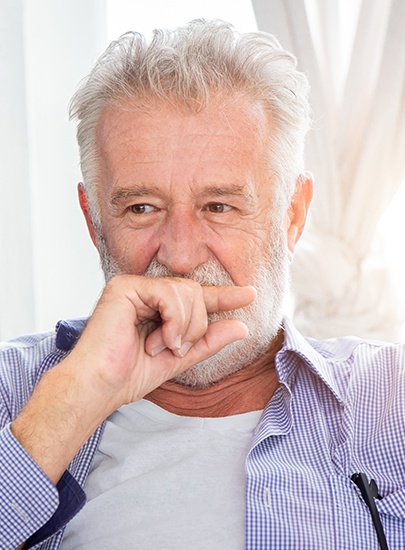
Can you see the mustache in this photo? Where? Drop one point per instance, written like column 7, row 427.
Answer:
column 211, row 273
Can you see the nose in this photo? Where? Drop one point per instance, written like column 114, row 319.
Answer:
column 182, row 244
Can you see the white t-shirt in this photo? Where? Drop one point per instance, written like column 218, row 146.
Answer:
column 166, row 482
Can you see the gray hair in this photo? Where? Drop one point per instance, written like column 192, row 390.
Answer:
column 187, row 66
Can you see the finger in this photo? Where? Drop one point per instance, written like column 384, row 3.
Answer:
column 180, row 305
column 183, row 305
column 218, row 335
column 156, row 342
column 194, row 321
column 198, row 323
column 170, row 300
column 166, row 365
column 225, row 298
column 197, row 319
column 217, row 298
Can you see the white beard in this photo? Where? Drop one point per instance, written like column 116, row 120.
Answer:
column 263, row 317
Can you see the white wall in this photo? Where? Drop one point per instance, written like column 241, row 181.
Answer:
column 16, row 293
column 63, row 40
column 49, row 269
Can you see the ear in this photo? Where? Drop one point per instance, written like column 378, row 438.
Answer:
column 84, row 205
column 297, row 213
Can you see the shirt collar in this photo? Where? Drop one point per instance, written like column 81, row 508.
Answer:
column 296, row 344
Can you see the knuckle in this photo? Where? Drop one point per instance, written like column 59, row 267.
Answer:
column 186, row 288
column 193, row 284
column 189, row 292
column 199, row 327
column 171, row 286
column 193, row 288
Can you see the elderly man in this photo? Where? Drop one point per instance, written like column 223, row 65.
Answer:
column 187, row 411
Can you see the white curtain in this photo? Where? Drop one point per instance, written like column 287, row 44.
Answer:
column 356, row 152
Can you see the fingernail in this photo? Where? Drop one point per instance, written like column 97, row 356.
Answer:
column 177, row 342
column 157, row 350
column 185, row 348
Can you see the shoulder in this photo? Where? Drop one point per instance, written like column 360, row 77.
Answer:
column 20, row 364
column 24, row 360
column 362, row 357
column 32, row 348
column 27, row 350
column 352, row 366
column 350, row 363
column 369, row 376
column 352, row 348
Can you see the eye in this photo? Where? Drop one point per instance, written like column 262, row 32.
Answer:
column 142, row 208
column 217, row 207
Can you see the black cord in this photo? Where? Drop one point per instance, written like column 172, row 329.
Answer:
column 369, row 492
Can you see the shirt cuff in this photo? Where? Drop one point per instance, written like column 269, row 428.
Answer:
column 72, row 498
column 28, row 499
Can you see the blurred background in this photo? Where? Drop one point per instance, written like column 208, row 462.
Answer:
column 349, row 268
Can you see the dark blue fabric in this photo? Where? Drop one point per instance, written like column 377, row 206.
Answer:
column 72, row 498
column 67, row 332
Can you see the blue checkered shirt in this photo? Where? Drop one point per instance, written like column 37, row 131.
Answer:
column 339, row 410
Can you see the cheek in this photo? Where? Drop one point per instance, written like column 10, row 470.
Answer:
column 132, row 251
column 242, row 255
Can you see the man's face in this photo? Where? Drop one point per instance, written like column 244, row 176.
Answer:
column 191, row 195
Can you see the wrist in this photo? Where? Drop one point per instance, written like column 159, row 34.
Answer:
column 63, row 412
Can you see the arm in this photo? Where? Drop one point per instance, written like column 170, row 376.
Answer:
column 114, row 363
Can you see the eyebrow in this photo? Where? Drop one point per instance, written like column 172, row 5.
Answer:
column 135, row 191
column 142, row 190
column 228, row 190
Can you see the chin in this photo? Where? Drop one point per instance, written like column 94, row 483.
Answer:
column 230, row 360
